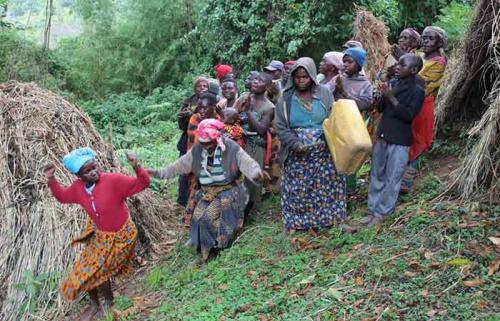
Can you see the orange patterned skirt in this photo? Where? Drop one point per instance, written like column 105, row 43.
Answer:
column 106, row 254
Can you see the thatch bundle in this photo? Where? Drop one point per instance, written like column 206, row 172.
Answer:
column 471, row 91
column 37, row 127
column 372, row 33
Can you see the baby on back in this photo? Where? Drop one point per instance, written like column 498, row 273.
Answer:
column 232, row 126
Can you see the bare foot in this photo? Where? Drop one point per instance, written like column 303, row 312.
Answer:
column 205, row 253
column 105, row 312
column 89, row 312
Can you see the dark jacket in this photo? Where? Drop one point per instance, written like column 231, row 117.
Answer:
column 289, row 140
column 395, row 125
column 183, row 123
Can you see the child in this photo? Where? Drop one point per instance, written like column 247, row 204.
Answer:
column 232, row 126
column 259, row 112
column 433, row 43
column 110, row 234
column 353, row 85
column 400, row 103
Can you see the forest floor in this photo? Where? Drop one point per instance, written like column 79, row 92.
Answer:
column 431, row 260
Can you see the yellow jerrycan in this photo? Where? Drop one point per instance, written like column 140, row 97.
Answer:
column 347, row 136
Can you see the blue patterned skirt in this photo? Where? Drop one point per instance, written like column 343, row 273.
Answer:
column 218, row 215
column 312, row 192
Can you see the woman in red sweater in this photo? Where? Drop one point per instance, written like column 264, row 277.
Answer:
column 110, row 234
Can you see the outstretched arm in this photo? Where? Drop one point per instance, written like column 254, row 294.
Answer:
column 133, row 185
column 183, row 165
column 65, row 195
column 249, row 167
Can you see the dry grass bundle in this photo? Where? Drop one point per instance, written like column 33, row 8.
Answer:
column 472, row 87
column 372, row 33
column 37, row 127
column 472, row 70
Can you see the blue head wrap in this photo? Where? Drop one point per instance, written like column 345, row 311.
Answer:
column 358, row 54
column 77, row 158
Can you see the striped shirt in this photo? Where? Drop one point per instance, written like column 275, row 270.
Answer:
column 212, row 174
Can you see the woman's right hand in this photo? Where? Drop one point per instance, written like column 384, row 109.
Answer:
column 49, row 170
column 301, row 149
column 262, row 176
column 396, row 51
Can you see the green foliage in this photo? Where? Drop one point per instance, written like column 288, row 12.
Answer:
column 26, row 61
column 400, row 270
column 32, row 285
column 131, row 46
column 455, row 19
column 147, row 126
column 123, row 302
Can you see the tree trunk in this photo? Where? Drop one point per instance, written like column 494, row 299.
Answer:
column 5, row 5
column 48, row 22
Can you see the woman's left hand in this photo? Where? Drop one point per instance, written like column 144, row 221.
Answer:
column 262, row 176
column 132, row 159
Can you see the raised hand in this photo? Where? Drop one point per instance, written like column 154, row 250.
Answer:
column 132, row 159
column 49, row 170
column 396, row 51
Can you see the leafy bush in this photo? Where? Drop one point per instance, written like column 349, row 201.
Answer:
column 23, row 60
column 455, row 19
column 133, row 110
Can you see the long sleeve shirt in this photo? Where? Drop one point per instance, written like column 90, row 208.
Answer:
column 395, row 125
column 359, row 89
column 106, row 204
column 184, row 165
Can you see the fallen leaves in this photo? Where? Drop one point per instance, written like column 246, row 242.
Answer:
column 307, row 281
column 222, row 287
column 434, row 312
column 303, row 244
column 458, row 262
column 358, row 246
column 334, row 293
column 495, row 240
column 414, row 265
column 473, row 283
column 494, row 267
column 481, row 305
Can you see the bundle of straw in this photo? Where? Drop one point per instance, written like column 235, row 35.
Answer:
column 372, row 33
column 472, row 86
column 38, row 127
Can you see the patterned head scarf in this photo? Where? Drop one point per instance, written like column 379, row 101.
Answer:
column 198, row 80
column 414, row 34
column 441, row 33
column 210, row 130
column 334, row 58
column 77, row 158
column 353, row 44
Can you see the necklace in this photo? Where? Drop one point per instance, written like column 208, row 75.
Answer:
column 306, row 103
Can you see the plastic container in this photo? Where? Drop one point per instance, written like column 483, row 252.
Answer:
column 347, row 136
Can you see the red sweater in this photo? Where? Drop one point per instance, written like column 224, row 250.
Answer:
column 109, row 196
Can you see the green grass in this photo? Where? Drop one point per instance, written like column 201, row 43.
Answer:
column 413, row 267
column 399, row 271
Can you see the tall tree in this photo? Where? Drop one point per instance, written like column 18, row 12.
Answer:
column 4, row 6
column 49, row 10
